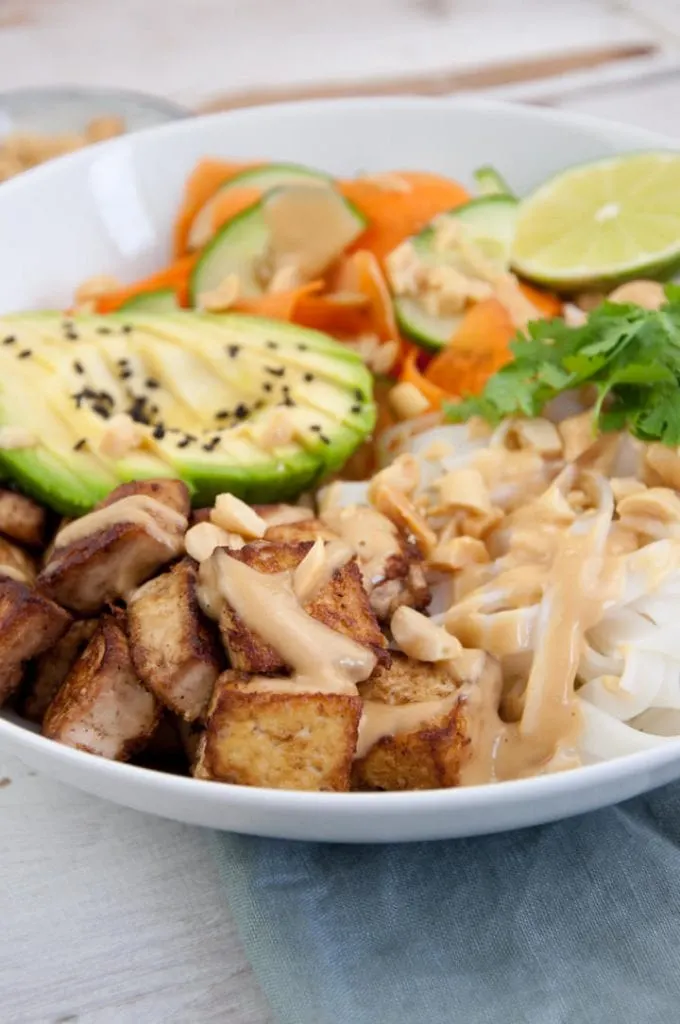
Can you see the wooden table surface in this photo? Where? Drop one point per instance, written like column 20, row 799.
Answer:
column 109, row 916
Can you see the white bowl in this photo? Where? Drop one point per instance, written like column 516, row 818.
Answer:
column 110, row 210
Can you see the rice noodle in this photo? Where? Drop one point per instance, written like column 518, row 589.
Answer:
column 567, row 575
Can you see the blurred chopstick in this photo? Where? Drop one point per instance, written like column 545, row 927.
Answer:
column 442, row 83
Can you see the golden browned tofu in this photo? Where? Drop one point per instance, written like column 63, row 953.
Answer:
column 281, row 740
column 14, row 562
column 341, row 605
column 404, row 583
column 407, row 680
column 173, row 493
column 173, row 646
column 102, row 707
column 426, row 755
column 107, row 554
column 29, row 625
column 52, row 667
column 22, row 519
column 308, row 529
column 165, row 752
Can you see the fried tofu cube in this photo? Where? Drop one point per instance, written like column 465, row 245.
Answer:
column 308, row 529
column 52, row 667
column 29, row 624
column 427, row 756
column 173, row 493
column 22, row 519
column 414, row 731
column 407, row 681
column 99, row 566
column 173, row 646
column 404, row 583
column 102, row 706
column 282, row 740
column 341, row 605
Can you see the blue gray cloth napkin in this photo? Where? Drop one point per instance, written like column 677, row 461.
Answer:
column 572, row 923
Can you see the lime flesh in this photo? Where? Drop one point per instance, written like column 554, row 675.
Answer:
column 602, row 223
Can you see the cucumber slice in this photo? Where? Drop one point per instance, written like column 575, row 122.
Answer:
column 243, row 244
column 490, row 224
column 491, row 183
column 163, row 300
column 264, row 178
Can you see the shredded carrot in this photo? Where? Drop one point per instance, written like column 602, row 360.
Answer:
column 395, row 214
column 360, row 272
column 336, row 313
column 278, row 305
column 411, row 373
column 547, row 304
column 480, row 346
column 175, row 276
column 201, row 184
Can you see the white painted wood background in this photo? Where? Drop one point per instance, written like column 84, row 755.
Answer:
column 112, row 917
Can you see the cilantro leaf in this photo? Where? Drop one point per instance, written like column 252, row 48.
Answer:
column 630, row 354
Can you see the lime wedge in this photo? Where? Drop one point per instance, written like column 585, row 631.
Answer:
column 601, row 223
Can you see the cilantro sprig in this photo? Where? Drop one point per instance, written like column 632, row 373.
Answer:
column 630, row 355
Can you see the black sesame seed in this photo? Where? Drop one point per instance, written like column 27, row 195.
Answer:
column 72, row 335
column 159, row 432
column 308, row 378
column 125, row 374
column 211, row 444
column 151, row 382
column 275, row 371
column 78, row 398
column 10, row 339
column 184, row 442
column 241, row 411
column 302, row 347
column 358, row 394
column 137, row 410
column 326, row 440
column 25, row 354
column 123, row 362
column 79, row 444
column 222, row 414
column 316, row 428
column 101, row 410
column 126, row 328
column 89, row 393
column 233, row 351
column 267, row 387
column 103, row 330
column 258, row 405
column 288, row 402
column 271, row 344
column 105, row 396
column 355, row 409
column 78, row 367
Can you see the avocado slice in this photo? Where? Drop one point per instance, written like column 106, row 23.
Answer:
column 258, row 407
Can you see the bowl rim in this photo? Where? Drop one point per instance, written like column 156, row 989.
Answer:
column 346, row 805
column 170, row 108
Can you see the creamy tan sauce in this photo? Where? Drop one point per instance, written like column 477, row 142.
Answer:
column 318, row 567
column 321, row 660
column 371, row 535
column 380, row 720
column 162, row 523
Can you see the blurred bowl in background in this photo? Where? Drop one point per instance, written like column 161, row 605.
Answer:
column 39, row 124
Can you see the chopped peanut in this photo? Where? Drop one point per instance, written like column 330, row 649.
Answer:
column 221, row 298
column 402, row 512
column 233, row 515
column 403, row 475
column 420, row 638
column 406, row 401
column 451, row 555
column 201, row 540
column 121, row 436
column 95, row 287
